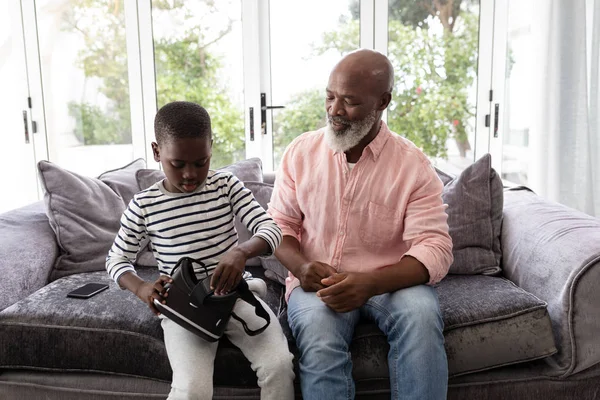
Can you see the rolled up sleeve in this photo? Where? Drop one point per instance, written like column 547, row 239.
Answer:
column 426, row 226
column 284, row 206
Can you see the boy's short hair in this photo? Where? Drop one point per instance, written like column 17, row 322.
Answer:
column 181, row 119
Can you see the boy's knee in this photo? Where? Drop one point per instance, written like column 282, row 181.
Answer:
column 279, row 365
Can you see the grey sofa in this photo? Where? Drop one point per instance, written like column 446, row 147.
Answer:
column 530, row 332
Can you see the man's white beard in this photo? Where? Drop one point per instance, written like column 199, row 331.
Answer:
column 350, row 137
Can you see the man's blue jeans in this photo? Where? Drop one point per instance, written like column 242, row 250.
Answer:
column 411, row 320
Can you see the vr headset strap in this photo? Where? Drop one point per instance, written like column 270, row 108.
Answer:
column 247, row 295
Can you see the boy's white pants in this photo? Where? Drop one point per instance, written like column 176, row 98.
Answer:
column 192, row 358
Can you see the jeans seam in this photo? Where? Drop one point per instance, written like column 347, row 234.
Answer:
column 388, row 315
column 349, row 377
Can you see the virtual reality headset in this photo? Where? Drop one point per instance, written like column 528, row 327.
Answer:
column 193, row 305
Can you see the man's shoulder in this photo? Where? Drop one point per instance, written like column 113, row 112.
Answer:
column 308, row 141
column 409, row 151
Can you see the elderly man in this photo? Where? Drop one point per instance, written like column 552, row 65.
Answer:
column 365, row 236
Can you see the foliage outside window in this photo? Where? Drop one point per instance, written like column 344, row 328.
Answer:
column 432, row 45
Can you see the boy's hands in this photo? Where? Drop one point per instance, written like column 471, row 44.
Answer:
column 229, row 272
column 148, row 291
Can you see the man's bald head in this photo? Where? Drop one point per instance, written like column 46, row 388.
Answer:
column 370, row 67
column 358, row 91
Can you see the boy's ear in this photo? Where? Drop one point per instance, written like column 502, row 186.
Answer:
column 156, row 151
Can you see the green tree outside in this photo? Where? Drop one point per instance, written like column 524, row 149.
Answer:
column 185, row 70
column 434, row 73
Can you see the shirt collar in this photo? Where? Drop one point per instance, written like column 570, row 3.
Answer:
column 377, row 144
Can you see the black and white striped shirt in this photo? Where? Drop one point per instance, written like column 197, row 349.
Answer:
column 199, row 225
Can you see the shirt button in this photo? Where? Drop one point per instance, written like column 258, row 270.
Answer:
column 342, row 233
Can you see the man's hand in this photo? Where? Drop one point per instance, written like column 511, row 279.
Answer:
column 148, row 291
column 346, row 291
column 228, row 272
column 312, row 274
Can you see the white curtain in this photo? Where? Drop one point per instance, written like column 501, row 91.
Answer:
column 564, row 145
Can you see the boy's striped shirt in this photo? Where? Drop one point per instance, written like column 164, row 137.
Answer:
column 198, row 225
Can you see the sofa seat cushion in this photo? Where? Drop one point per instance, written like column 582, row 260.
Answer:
column 111, row 332
column 488, row 322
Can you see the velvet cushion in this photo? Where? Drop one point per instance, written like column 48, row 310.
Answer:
column 84, row 213
column 444, row 177
column 489, row 322
column 246, row 171
column 27, row 252
column 112, row 332
column 262, row 193
column 475, row 201
column 274, row 270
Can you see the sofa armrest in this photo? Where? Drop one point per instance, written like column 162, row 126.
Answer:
column 28, row 250
column 553, row 252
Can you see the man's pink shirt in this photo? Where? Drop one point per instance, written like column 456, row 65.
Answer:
column 387, row 207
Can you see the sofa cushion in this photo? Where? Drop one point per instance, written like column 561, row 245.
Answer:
column 444, row 177
column 111, row 332
column 247, row 171
column 84, row 213
column 489, row 322
column 27, row 253
column 274, row 270
column 475, row 201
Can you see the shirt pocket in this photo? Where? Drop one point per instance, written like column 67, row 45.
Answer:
column 379, row 225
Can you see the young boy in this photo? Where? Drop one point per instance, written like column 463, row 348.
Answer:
column 191, row 213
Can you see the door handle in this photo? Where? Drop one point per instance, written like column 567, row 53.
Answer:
column 263, row 112
column 252, row 124
column 25, row 126
column 496, row 118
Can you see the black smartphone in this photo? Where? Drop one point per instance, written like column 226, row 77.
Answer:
column 88, row 290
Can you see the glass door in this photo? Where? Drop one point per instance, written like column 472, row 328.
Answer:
column 198, row 57
column 84, row 80
column 441, row 52
column 434, row 47
column 307, row 38
column 17, row 162
column 514, row 87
